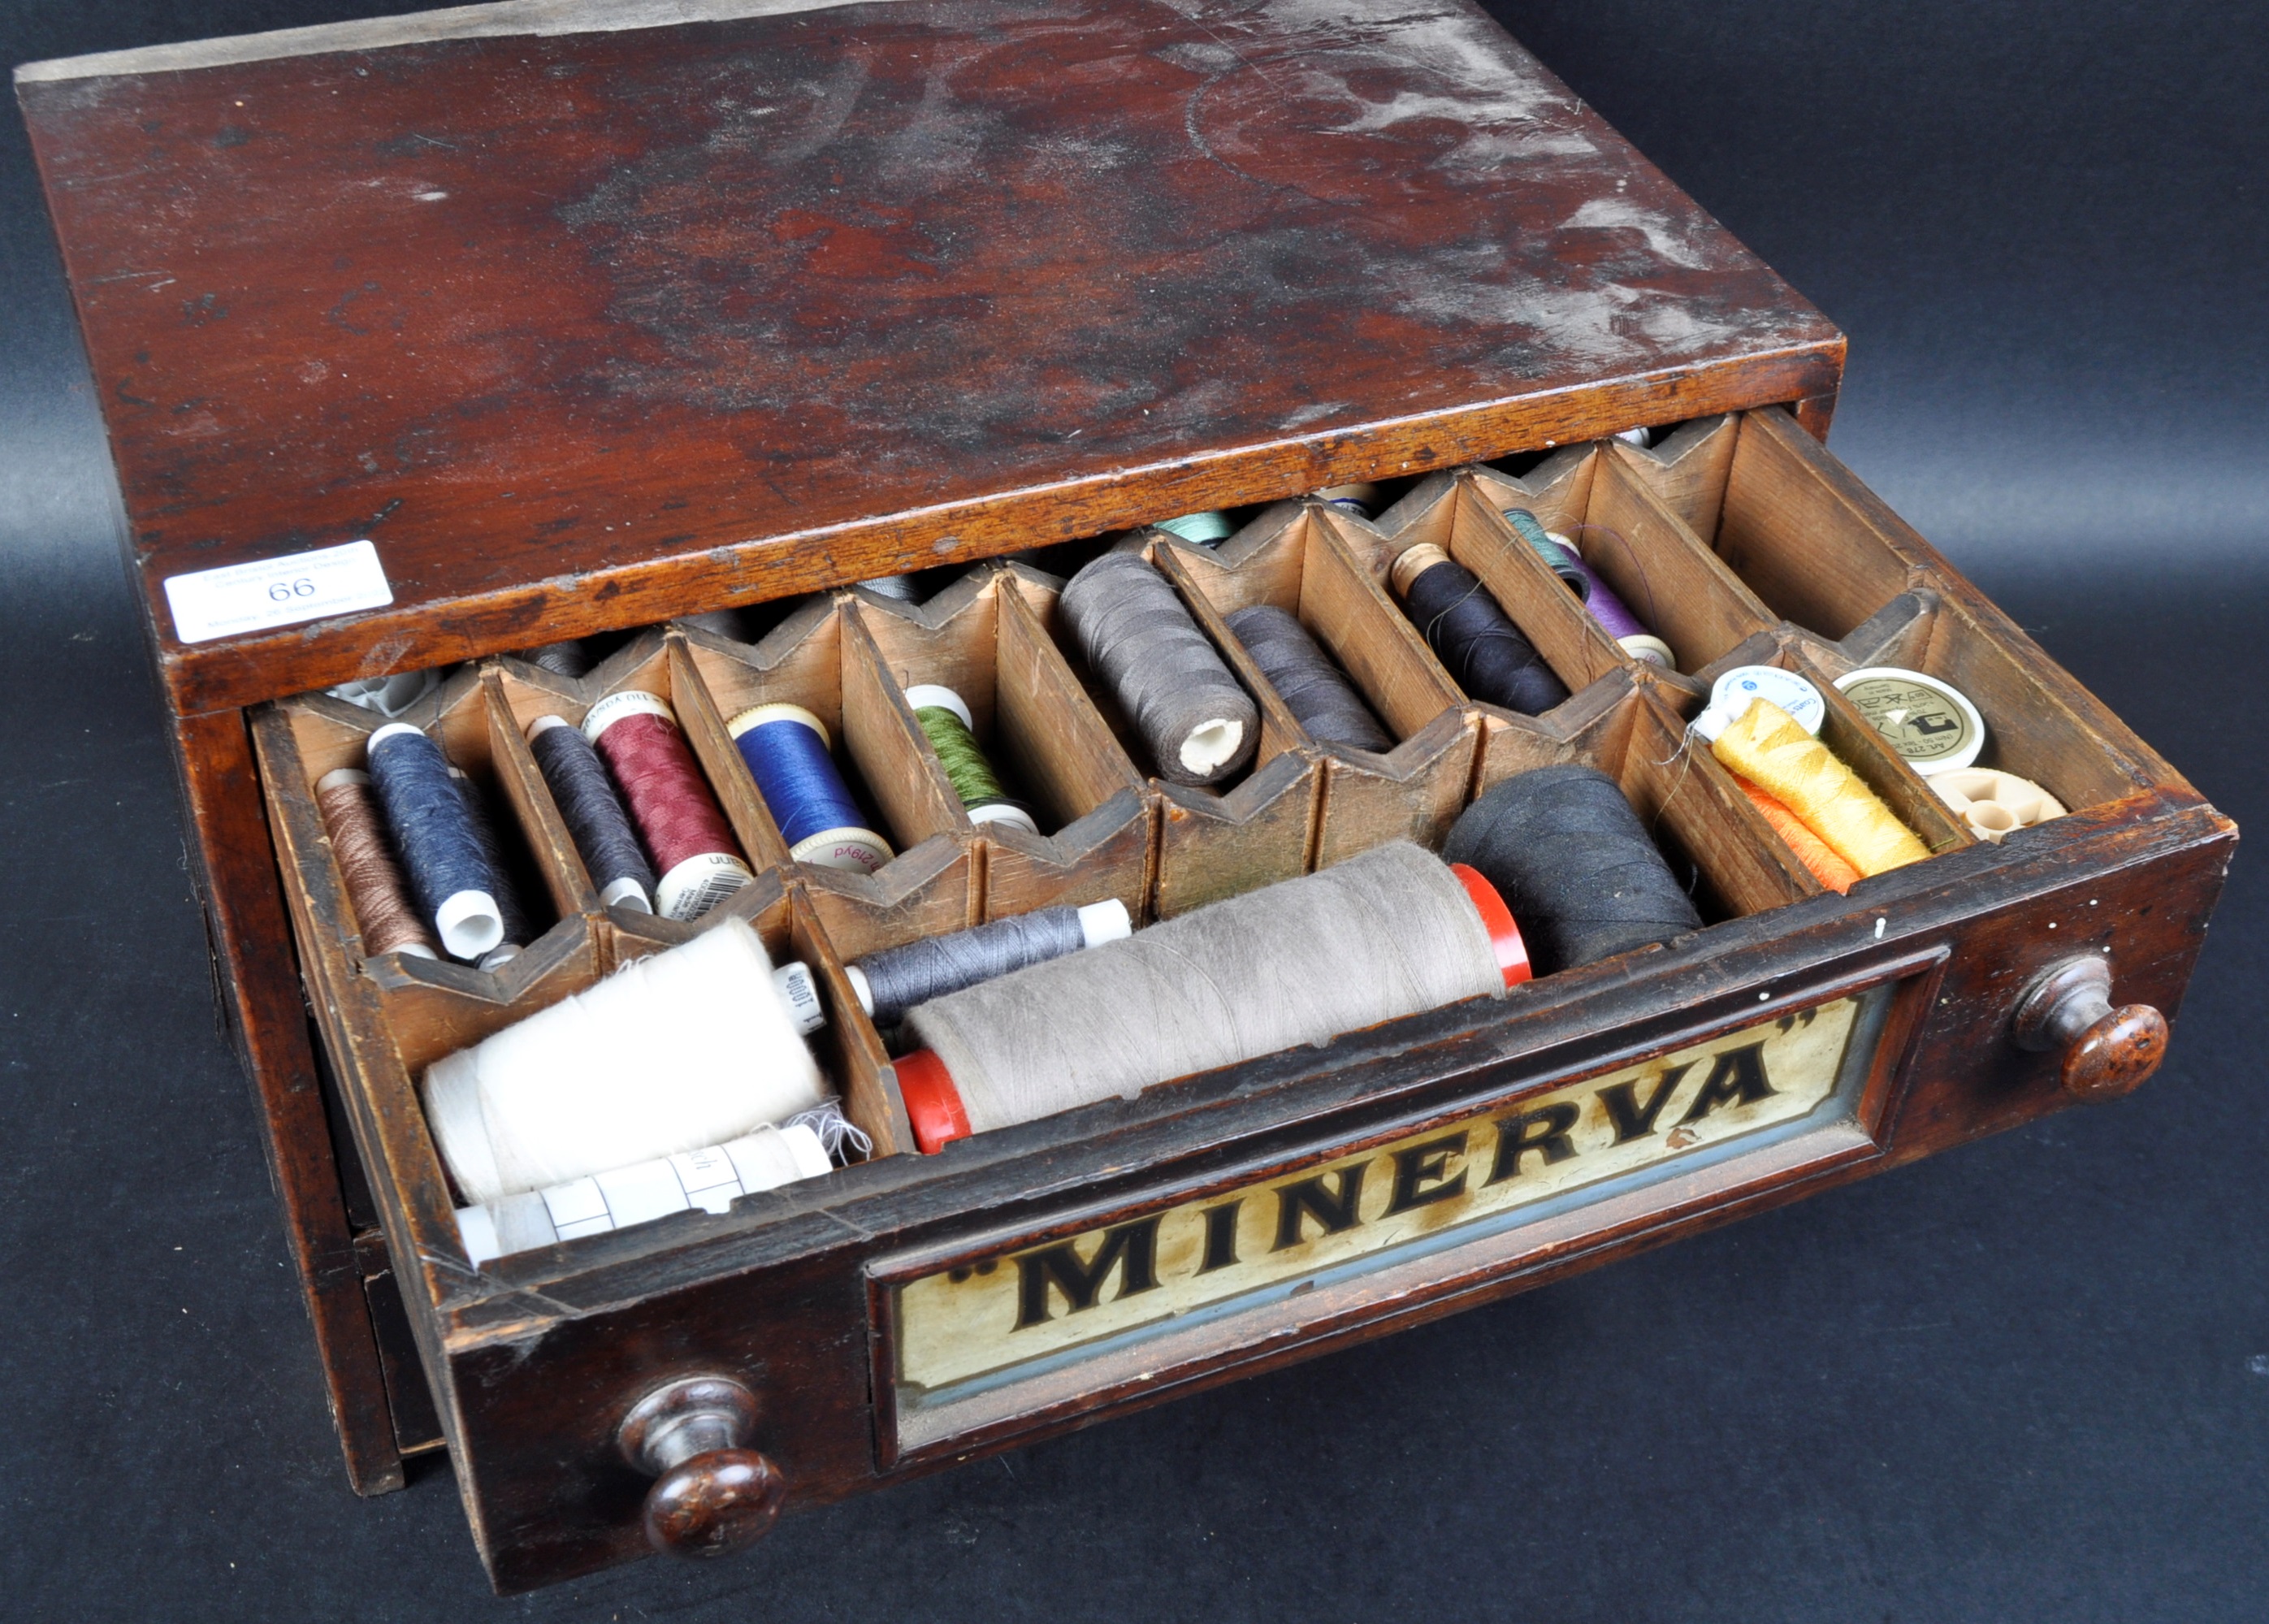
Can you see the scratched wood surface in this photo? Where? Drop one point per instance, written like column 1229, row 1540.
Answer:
column 588, row 328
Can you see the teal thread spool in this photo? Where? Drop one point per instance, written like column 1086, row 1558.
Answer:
column 1207, row 530
column 945, row 721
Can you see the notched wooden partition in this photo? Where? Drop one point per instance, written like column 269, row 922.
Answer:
column 436, row 1004
column 1210, row 843
column 1686, row 469
column 1300, row 564
column 1792, row 532
column 821, row 659
column 982, row 638
column 2085, row 760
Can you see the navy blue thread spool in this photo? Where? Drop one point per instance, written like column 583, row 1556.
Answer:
column 1363, row 498
column 440, row 845
column 593, row 810
column 787, row 750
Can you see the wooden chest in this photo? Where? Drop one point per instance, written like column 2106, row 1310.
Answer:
column 467, row 332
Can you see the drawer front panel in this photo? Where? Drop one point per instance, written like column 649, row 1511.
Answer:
column 976, row 1342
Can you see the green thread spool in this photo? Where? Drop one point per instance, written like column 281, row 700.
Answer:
column 945, row 721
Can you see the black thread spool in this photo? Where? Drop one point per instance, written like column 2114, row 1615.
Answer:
column 593, row 810
column 1320, row 698
column 1472, row 635
column 1575, row 865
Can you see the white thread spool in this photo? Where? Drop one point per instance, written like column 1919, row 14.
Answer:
column 710, row 1178
column 686, row 1049
column 1732, row 694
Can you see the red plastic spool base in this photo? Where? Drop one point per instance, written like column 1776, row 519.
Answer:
column 933, row 1103
column 1497, row 919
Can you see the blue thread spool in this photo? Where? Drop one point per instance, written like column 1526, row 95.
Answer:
column 786, row 749
column 434, row 830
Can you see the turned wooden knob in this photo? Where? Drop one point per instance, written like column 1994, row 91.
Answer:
column 712, row 1494
column 2107, row 1051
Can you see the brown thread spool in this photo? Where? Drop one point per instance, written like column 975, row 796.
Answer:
column 382, row 903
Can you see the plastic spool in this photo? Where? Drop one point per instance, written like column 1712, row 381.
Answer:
column 674, row 811
column 690, row 1047
column 467, row 919
column 710, row 1178
column 1097, row 923
column 802, row 787
column 985, row 808
column 1995, row 804
column 388, row 695
column 1436, row 961
column 1207, row 530
column 1732, row 694
column 1363, row 498
column 1931, row 723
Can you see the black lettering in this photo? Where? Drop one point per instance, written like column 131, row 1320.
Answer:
column 1544, row 1130
column 1418, row 1175
column 1306, row 1198
column 1632, row 1120
column 1221, row 1236
column 1130, row 1248
column 1736, row 1076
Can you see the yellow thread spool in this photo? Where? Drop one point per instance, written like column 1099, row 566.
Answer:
column 1765, row 745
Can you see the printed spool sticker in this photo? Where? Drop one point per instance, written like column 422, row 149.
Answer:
column 614, row 707
column 1931, row 724
column 238, row 598
column 699, row 884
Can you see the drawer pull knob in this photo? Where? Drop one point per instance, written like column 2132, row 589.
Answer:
column 2107, row 1051
column 712, row 1495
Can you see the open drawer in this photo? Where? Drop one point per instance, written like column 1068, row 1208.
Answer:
column 906, row 1310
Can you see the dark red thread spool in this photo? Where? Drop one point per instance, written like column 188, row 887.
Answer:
column 671, row 802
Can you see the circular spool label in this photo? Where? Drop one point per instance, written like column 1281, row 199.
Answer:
column 629, row 702
column 1732, row 693
column 1931, row 723
column 859, row 850
column 699, row 884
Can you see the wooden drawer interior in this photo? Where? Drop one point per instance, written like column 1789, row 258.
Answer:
column 1739, row 535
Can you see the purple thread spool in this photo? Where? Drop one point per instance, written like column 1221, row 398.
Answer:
column 1612, row 614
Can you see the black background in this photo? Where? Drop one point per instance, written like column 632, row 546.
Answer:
column 2028, row 1380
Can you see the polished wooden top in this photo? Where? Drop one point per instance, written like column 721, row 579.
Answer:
column 587, row 326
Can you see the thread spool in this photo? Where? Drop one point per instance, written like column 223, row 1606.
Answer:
column 1640, row 438
column 710, row 1178
column 901, row 588
column 1199, row 726
column 384, row 914
column 1207, row 530
column 1593, row 593
column 1362, row 498
column 890, row 982
column 1931, row 723
column 670, row 803
column 388, row 695
column 1995, row 804
column 1771, row 750
column 593, row 810
column 449, row 872
column 1470, row 633
column 730, row 623
column 1320, row 698
column 1817, row 856
column 1389, row 933
column 691, row 1047
column 1732, row 693
column 1572, row 859
column 946, row 723
column 511, row 913
column 571, row 658
column 786, row 749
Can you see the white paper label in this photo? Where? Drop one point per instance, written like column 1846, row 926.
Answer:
column 238, row 598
